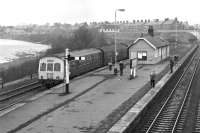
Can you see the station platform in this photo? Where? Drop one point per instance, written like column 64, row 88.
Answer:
column 131, row 118
column 92, row 98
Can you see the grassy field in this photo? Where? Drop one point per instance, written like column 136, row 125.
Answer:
column 15, row 62
column 180, row 49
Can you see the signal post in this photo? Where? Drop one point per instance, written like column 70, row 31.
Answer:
column 67, row 72
column 67, row 58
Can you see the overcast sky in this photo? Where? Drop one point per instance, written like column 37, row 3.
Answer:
column 15, row 12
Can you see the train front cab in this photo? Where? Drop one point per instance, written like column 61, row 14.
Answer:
column 51, row 71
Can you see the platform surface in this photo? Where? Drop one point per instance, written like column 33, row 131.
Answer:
column 105, row 93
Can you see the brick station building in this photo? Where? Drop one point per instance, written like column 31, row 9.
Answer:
column 149, row 50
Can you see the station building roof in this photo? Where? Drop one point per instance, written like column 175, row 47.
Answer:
column 155, row 41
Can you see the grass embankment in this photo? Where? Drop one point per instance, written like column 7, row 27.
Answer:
column 185, row 41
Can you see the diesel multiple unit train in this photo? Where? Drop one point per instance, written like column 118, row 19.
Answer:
column 51, row 68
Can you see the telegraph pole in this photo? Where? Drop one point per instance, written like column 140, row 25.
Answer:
column 176, row 35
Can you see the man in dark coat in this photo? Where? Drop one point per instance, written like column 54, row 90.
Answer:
column 171, row 65
column 110, row 65
column 121, row 67
column 152, row 79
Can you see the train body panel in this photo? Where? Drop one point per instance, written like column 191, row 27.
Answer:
column 94, row 58
column 109, row 53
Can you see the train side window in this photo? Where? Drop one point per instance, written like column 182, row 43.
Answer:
column 57, row 67
column 50, row 67
column 91, row 59
column 43, row 67
column 72, row 63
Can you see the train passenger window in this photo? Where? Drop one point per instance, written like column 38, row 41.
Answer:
column 43, row 67
column 50, row 67
column 57, row 67
column 72, row 63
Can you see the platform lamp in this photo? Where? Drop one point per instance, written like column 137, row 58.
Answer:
column 115, row 66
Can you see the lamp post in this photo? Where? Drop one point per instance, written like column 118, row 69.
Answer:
column 115, row 67
column 176, row 34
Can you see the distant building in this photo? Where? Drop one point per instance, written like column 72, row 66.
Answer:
column 172, row 24
column 136, row 27
column 109, row 28
column 149, row 50
column 185, row 25
column 141, row 26
column 157, row 24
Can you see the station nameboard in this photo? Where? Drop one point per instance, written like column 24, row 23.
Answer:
column 134, row 62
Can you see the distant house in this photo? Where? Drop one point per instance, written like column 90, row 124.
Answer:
column 149, row 50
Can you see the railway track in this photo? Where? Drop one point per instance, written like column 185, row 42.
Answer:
column 197, row 123
column 14, row 96
column 171, row 110
column 10, row 96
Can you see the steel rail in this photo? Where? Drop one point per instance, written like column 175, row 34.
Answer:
column 15, row 97
column 18, row 88
column 185, row 70
column 189, row 87
column 22, row 91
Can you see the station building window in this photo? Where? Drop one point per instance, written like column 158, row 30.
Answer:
column 50, row 67
column 142, row 55
column 57, row 67
column 43, row 67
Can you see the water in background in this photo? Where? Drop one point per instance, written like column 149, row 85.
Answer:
column 13, row 49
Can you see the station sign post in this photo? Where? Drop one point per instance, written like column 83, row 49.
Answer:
column 133, row 65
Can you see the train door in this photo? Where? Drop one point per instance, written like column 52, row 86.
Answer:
column 49, row 70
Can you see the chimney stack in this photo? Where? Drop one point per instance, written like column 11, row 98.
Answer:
column 150, row 31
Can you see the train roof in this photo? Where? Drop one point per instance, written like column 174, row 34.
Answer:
column 111, row 47
column 75, row 53
column 85, row 52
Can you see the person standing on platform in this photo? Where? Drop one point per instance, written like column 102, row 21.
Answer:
column 152, row 79
column 171, row 65
column 121, row 67
column 110, row 63
column 131, row 64
column 110, row 66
